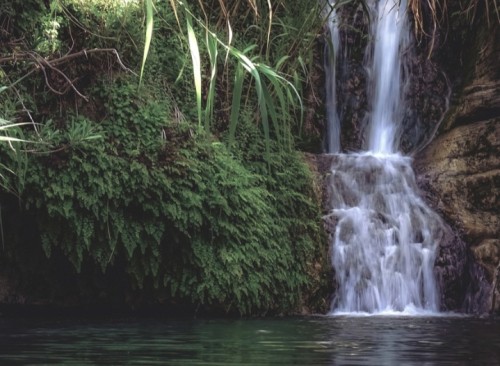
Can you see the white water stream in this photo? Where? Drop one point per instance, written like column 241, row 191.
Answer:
column 386, row 238
column 390, row 33
column 332, row 51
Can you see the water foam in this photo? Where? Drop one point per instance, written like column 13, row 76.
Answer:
column 385, row 240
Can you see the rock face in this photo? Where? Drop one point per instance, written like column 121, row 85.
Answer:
column 460, row 172
column 351, row 86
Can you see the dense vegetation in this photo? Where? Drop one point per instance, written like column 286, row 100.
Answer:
column 185, row 188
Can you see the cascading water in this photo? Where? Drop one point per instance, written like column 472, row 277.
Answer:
column 386, row 237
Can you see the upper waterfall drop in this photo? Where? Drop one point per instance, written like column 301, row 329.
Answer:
column 390, row 32
column 331, row 54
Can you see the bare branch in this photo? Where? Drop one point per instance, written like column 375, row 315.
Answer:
column 41, row 64
column 41, row 61
column 57, row 61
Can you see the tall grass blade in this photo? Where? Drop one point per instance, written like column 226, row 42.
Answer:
column 195, row 57
column 281, row 61
column 148, row 37
column 10, row 139
column 7, row 125
column 271, row 109
column 239, row 77
column 229, row 39
column 297, row 81
column 268, row 41
column 252, row 69
column 174, row 8
column 276, row 96
column 283, row 87
column 213, row 53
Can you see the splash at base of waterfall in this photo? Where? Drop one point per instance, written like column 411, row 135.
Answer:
column 385, row 240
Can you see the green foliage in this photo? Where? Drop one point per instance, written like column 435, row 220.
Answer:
column 176, row 209
column 126, row 182
column 134, row 122
column 47, row 41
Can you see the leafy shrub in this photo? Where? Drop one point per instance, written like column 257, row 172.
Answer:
column 180, row 211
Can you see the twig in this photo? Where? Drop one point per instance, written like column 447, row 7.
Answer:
column 41, row 64
column 26, row 55
column 72, row 42
column 48, row 83
column 66, row 78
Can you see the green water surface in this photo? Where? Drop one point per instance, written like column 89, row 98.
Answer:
column 317, row 340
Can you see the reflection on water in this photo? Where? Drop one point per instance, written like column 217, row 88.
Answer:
column 298, row 341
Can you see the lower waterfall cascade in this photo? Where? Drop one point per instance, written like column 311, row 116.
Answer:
column 386, row 238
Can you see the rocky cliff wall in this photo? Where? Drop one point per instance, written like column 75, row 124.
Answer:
column 460, row 168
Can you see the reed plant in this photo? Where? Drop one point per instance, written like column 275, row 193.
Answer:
column 267, row 70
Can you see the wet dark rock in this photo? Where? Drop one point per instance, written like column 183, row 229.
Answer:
column 461, row 280
column 427, row 100
column 352, row 83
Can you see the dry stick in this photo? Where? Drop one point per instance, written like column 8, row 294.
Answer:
column 66, row 58
column 88, row 52
column 70, row 83
column 48, row 84
column 72, row 42
column 40, row 62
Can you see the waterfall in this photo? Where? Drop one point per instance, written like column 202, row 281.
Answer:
column 332, row 51
column 390, row 32
column 386, row 237
column 385, row 241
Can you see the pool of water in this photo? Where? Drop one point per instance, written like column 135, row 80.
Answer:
column 319, row 340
